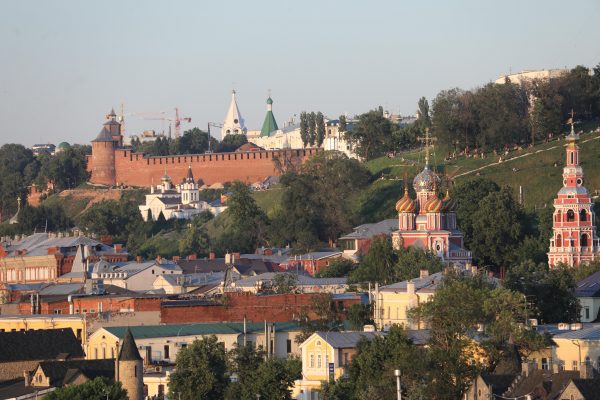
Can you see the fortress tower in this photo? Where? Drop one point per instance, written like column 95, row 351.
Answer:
column 574, row 241
column 129, row 369
column 103, row 151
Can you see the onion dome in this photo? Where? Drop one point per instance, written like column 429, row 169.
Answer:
column 448, row 204
column 433, row 205
column 406, row 204
column 165, row 178
column 425, row 180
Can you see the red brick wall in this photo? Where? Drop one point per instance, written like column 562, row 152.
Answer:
column 109, row 304
column 274, row 308
column 134, row 169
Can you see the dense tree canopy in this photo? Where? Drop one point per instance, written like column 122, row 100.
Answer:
column 96, row 389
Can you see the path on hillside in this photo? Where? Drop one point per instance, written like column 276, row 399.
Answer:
column 516, row 158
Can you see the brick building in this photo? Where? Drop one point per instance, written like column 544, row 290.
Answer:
column 110, row 164
column 237, row 306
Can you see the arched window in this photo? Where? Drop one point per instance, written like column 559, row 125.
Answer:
column 570, row 216
column 583, row 215
column 584, row 240
column 572, row 158
column 558, row 240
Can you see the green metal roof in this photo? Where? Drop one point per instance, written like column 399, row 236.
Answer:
column 154, row 331
column 269, row 125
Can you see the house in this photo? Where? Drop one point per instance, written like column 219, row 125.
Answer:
column 161, row 343
column 587, row 292
column 488, row 386
column 21, row 323
column 357, row 243
column 24, row 350
column 313, row 262
column 241, row 266
column 575, row 345
column 302, row 283
column 327, row 355
column 581, row 389
column 45, row 257
column 205, row 283
column 133, row 275
column 57, row 373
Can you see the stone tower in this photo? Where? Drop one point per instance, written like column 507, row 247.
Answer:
column 574, row 241
column 129, row 369
column 234, row 123
column 103, row 151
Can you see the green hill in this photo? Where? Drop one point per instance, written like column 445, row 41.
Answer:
column 538, row 170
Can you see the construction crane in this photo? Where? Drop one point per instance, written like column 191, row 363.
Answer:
column 178, row 122
column 162, row 116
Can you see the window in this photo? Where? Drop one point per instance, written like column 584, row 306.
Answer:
column 558, row 241
column 584, row 240
column 167, row 351
column 78, row 334
column 319, row 363
column 583, row 215
column 574, row 365
column 312, row 361
column 570, row 216
column 288, row 346
column 545, row 363
column 135, row 371
column 57, row 311
column 152, row 272
column 96, row 353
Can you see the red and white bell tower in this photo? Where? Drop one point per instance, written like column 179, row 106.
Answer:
column 574, row 240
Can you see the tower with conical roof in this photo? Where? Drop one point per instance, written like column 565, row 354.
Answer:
column 234, row 123
column 574, row 240
column 103, row 151
column 129, row 369
column 189, row 188
column 269, row 125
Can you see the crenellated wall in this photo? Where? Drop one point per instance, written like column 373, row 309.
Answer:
column 138, row 169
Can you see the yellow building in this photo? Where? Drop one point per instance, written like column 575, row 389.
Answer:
column 392, row 302
column 575, row 344
column 14, row 323
column 325, row 356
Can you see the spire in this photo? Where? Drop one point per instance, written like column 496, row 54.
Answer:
column 269, row 125
column 190, row 175
column 129, row 351
column 234, row 123
column 428, row 142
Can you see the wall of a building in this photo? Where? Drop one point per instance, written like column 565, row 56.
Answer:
column 78, row 325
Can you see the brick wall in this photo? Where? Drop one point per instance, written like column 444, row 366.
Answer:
column 89, row 303
column 275, row 308
column 135, row 169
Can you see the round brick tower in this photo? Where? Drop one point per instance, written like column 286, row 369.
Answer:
column 129, row 369
column 103, row 152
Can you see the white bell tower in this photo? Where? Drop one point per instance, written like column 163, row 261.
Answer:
column 234, row 123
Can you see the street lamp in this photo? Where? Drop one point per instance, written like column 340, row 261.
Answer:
column 398, row 387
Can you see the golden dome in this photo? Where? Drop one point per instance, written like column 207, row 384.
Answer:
column 406, row 204
column 433, row 205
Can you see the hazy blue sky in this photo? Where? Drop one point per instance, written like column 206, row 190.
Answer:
column 64, row 64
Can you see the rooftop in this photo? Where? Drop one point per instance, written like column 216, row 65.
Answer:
column 589, row 287
column 43, row 344
column 368, row 231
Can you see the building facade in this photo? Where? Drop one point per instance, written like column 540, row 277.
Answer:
column 574, row 240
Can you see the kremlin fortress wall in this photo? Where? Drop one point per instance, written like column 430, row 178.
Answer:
column 112, row 165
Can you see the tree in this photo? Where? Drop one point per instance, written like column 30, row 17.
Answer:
column 498, row 227
column 66, row 169
column 231, row 142
column 336, row 269
column 343, row 125
column 360, row 315
column 424, row 120
column 379, row 263
column 551, row 291
column 97, row 389
column 195, row 241
column 284, row 283
column 320, row 122
column 200, row 371
column 371, row 135
column 304, row 128
column 411, row 261
column 312, row 128
column 18, row 169
column 325, row 317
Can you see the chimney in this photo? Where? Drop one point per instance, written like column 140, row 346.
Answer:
column 410, row 287
column 118, row 248
column 52, row 250
column 176, row 258
column 138, row 259
column 211, row 255
column 158, row 258
column 527, row 367
column 555, row 368
column 27, row 378
column 107, row 240
column 268, row 252
column 586, row 371
column 423, row 273
column 192, row 257
column 236, row 255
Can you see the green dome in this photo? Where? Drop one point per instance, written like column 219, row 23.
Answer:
column 64, row 145
column 269, row 101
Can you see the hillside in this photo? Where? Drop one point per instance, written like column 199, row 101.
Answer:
column 538, row 170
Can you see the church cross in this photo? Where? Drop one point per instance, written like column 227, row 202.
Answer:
column 571, row 120
column 428, row 142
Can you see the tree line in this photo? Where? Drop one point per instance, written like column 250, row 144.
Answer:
column 193, row 141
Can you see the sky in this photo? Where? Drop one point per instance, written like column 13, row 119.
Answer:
column 65, row 64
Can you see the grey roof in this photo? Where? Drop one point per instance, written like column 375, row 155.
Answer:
column 317, row 255
column 347, row 340
column 195, row 279
column 368, row 231
column 573, row 190
column 589, row 287
column 42, row 344
column 129, row 350
column 104, row 136
column 427, row 284
column 303, row 280
column 132, row 267
column 38, row 244
column 64, row 289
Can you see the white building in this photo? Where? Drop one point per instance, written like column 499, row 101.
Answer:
column 234, row 123
column 529, row 75
column 134, row 275
column 177, row 202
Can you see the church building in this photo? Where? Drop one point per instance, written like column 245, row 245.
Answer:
column 574, row 240
column 234, row 123
column 429, row 222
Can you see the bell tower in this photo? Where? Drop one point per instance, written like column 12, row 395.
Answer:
column 574, row 240
column 234, row 123
column 129, row 369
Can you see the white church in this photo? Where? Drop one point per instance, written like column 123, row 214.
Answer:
column 271, row 137
column 178, row 201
